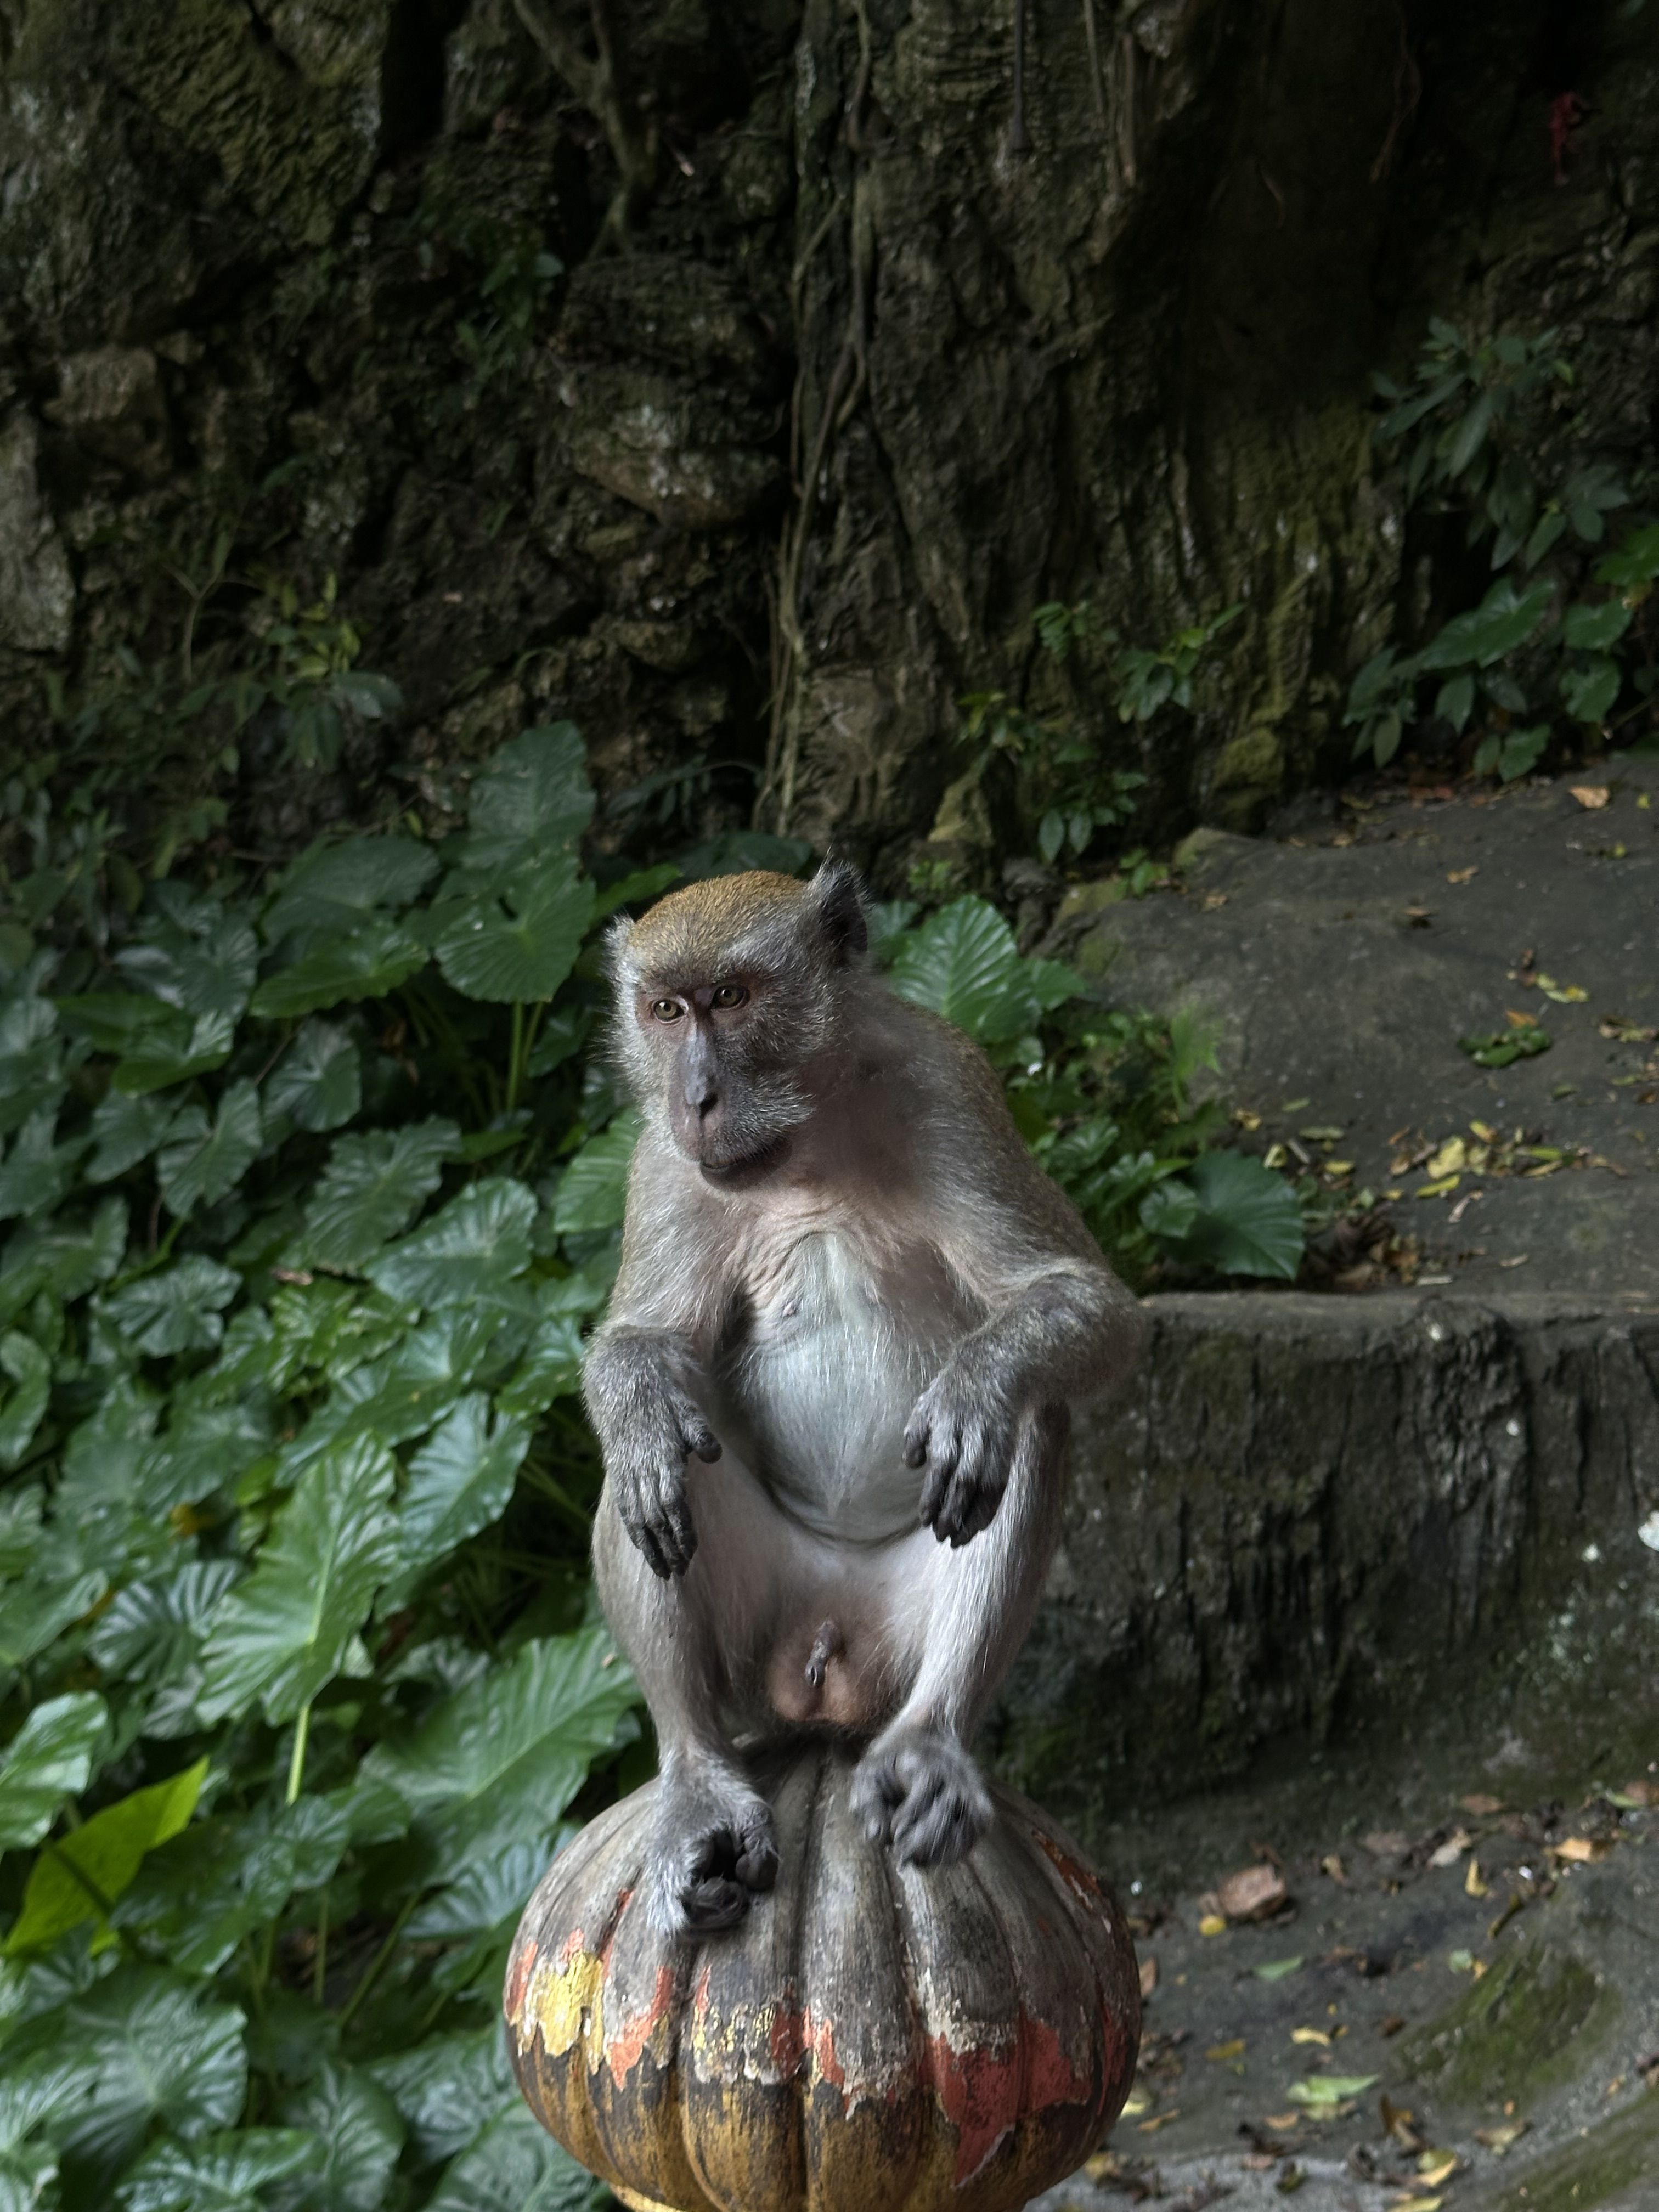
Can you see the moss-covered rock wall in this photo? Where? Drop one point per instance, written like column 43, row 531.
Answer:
column 736, row 378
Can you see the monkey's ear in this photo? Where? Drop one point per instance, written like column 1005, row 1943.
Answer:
column 840, row 898
column 614, row 957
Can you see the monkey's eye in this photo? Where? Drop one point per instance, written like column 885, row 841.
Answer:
column 728, row 994
column 668, row 1010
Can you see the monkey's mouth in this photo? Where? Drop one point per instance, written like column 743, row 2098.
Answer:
column 747, row 1167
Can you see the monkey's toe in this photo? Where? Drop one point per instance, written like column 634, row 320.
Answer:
column 715, row 1903
column 757, row 1866
column 925, row 1798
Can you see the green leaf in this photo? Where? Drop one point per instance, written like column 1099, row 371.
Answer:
column 30, row 1370
column 127, row 1130
column 223, row 2172
column 1249, row 1220
column 549, row 1368
column 1505, row 620
column 116, row 1022
column 149, row 2049
column 318, row 1084
column 1593, row 628
column 734, row 851
column 1521, row 750
column 458, row 1482
column 964, row 964
column 517, row 939
column 1051, row 834
column 155, row 1061
column 1471, row 434
column 1589, row 691
column 635, row 888
column 1321, row 2091
column 28, row 2104
column 1546, row 531
column 49, row 1759
column 1277, row 1970
column 448, row 2088
column 357, row 2124
column 330, row 886
column 202, row 1160
column 372, row 1186
column 82, row 1875
column 38, row 1172
column 31, row 1057
column 282, row 1632
column 502, row 1759
column 532, row 799
column 196, row 1898
column 1635, row 563
column 197, row 955
column 1504, row 1047
column 180, row 1309
column 1455, row 701
column 592, row 1192
column 467, row 1252
column 371, row 959
column 515, row 2162
column 151, row 1630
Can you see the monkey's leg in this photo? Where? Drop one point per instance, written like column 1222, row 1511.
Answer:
column 690, row 1640
column 965, row 1611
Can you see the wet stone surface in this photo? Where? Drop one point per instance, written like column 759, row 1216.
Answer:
column 1478, row 1968
column 1341, row 961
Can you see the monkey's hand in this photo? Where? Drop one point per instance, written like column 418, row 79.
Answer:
column 647, row 1442
column 963, row 1432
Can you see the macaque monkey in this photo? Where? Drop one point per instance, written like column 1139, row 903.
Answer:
column 832, row 1388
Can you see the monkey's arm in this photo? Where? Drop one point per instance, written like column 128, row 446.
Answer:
column 636, row 1377
column 1058, row 1325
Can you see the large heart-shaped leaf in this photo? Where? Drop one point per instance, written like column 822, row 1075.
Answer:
column 364, row 963
column 459, row 1481
column 517, row 937
column 503, row 1758
column 49, row 1759
column 514, row 2161
column 29, row 1371
column 330, row 887
column 224, row 2172
column 357, row 2124
column 180, row 1309
column 318, row 1084
column 201, row 1160
column 199, row 957
column 446, row 2089
column 964, row 964
column 592, row 1192
column 372, row 1187
column 532, row 799
column 38, row 1170
column 1249, row 1220
column 151, row 1630
column 150, row 2049
column 99, row 1859
column 63, row 1258
column 127, row 1130
column 468, row 1252
column 282, row 1632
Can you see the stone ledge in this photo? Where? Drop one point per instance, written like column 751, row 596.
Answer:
column 1310, row 1511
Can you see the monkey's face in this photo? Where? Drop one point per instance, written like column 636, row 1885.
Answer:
column 729, row 994
column 728, row 1056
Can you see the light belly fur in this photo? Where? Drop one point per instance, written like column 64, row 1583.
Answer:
column 823, row 1383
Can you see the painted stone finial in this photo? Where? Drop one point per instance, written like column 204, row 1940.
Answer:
column 870, row 2038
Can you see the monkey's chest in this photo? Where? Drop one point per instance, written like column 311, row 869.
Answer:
column 821, row 1380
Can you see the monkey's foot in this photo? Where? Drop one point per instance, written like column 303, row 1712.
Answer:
column 712, row 1850
column 918, row 1789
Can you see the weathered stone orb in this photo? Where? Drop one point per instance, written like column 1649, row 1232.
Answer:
column 872, row 2039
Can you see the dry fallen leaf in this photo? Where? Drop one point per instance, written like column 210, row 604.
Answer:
column 1386, row 1844
column 1473, row 1885
column 1280, row 2121
column 1593, row 795
column 1461, row 875
column 1434, row 2166
column 1212, row 1923
column 1213, row 899
column 1499, row 2139
column 1138, row 2101
column 1452, row 1156
column 1159, row 2120
column 1332, row 1865
column 1641, row 1793
column 1148, row 1976
column 1452, row 1849
column 1103, row 2167
column 1579, row 1851
column 1311, row 2035
column 1481, row 1805
column 1253, row 1894
column 1223, row 2053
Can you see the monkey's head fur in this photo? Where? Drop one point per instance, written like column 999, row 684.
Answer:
column 729, row 1003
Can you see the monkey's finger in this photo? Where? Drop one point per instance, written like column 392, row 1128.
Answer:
column 676, row 1516
column 645, row 1542
column 915, row 1439
column 705, row 1442
column 933, row 1492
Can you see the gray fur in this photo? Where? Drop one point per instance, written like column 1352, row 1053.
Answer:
column 832, row 1388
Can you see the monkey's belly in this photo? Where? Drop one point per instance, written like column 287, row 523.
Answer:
column 820, row 1390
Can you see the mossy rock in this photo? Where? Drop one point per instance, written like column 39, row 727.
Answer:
column 1612, row 2166
column 1535, row 2021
